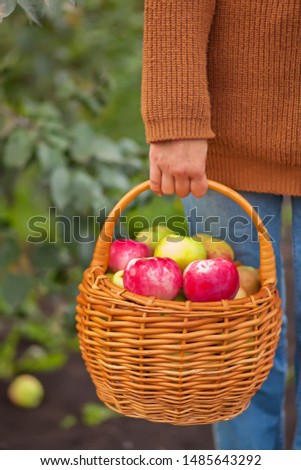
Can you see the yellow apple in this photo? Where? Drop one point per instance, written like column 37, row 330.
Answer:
column 215, row 248
column 117, row 279
column 249, row 279
column 183, row 250
column 26, row 391
column 152, row 236
column 110, row 275
column 241, row 293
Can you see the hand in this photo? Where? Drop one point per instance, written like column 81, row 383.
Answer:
column 178, row 166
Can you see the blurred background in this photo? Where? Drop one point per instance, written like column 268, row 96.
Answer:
column 71, row 143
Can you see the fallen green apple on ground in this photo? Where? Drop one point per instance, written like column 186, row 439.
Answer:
column 26, row 391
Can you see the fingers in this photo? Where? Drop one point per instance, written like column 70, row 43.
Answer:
column 199, row 186
column 179, row 167
column 167, row 184
column 182, row 186
column 155, row 178
column 162, row 183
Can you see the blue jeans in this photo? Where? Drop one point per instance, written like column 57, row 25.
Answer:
column 262, row 425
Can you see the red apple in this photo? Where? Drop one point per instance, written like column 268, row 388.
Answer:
column 122, row 251
column 210, row 279
column 160, row 277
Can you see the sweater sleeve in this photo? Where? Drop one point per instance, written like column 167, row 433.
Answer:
column 175, row 100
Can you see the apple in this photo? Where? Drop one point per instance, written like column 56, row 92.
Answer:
column 183, row 250
column 249, row 279
column 26, row 391
column 117, row 279
column 152, row 236
column 159, row 277
column 210, row 280
column 241, row 293
column 215, row 248
column 123, row 250
column 110, row 275
column 180, row 297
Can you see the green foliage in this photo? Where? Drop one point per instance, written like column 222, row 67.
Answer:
column 94, row 414
column 68, row 422
column 58, row 82
column 33, row 8
column 71, row 137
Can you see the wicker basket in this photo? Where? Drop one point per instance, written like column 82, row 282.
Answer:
column 181, row 363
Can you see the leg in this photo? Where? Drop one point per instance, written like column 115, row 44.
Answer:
column 261, row 426
column 296, row 205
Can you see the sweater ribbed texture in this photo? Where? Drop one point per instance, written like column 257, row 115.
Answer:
column 228, row 71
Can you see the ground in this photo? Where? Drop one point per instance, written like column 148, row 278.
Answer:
column 69, row 388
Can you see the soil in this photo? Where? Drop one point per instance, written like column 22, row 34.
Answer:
column 69, row 388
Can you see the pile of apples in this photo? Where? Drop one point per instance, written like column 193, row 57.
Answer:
column 168, row 266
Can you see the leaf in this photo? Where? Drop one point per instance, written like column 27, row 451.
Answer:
column 49, row 157
column 82, row 142
column 50, row 361
column 46, row 111
column 92, row 103
column 111, row 177
column 68, row 422
column 133, row 163
column 58, row 141
column 129, row 146
column 33, row 9
column 15, row 288
column 54, row 127
column 18, row 148
column 28, row 200
column 60, row 184
column 6, row 8
column 9, row 252
column 36, row 332
column 85, row 191
column 47, row 256
column 105, row 150
column 94, row 414
column 8, row 349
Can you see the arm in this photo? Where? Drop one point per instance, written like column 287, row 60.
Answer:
column 175, row 102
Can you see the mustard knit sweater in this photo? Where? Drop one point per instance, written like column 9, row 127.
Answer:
column 228, row 71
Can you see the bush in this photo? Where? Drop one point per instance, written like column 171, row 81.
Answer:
column 71, row 139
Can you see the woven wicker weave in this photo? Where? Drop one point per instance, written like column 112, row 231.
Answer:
column 182, row 363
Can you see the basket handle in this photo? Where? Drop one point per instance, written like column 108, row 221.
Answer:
column 267, row 270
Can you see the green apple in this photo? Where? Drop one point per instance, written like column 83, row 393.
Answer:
column 249, row 279
column 118, row 279
column 215, row 248
column 183, row 250
column 26, row 391
column 241, row 293
column 110, row 275
column 180, row 297
column 152, row 236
